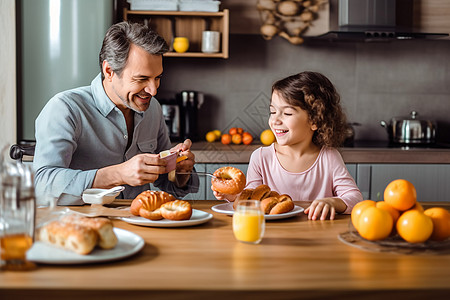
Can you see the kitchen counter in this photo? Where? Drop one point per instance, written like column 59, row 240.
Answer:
column 296, row 259
column 372, row 153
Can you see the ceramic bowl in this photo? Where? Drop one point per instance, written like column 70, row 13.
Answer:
column 89, row 196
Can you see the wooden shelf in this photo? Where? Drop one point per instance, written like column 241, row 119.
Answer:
column 188, row 24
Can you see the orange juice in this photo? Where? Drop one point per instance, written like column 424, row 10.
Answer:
column 248, row 226
column 15, row 246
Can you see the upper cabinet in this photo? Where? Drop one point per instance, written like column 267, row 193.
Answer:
column 432, row 15
column 171, row 24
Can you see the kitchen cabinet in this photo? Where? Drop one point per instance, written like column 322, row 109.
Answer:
column 170, row 24
column 430, row 180
column 432, row 15
column 201, row 194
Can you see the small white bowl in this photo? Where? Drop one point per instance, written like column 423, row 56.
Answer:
column 90, row 196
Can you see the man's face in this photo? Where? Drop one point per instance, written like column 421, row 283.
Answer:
column 138, row 82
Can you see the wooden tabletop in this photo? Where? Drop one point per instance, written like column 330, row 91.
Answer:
column 296, row 259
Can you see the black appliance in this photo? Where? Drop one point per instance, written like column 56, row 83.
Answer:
column 181, row 115
column 373, row 20
column 171, row 110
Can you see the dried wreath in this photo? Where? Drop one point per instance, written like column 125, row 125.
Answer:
column 288, row 18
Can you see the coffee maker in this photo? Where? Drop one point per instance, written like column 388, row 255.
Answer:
column 172, row 116
column 191, row 101
column 181, row 115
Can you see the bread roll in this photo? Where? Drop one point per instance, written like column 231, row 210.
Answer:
column 77, row 238
column 267, row 204
column 102, row 226
column 284, row 205
column 244, row 195
column 273, row 194
column 271, row 201
column 261, row 192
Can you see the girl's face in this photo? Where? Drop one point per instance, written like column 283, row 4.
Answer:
column 290, row 124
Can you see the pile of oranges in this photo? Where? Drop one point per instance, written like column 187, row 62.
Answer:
column 400, row 213
column 235, row 135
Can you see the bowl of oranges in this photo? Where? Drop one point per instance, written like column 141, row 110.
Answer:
column 235, row 135
column 400, row 220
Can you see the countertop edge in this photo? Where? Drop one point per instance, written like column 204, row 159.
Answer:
column 236, row 154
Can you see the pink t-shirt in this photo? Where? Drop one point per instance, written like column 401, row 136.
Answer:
column 327, row 177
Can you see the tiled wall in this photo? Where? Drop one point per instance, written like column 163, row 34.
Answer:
column 377, row 81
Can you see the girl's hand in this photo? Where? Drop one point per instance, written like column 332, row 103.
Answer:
column 321, row 208
column 226, row 197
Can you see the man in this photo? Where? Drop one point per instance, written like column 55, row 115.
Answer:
column 110, row 133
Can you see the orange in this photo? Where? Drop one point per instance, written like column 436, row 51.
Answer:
column 414, row 226
column 233, row 130
column 395, row 214
column 267, row 137
column 211, row 136
column 236, row 130
column 217, row 133
column 417, row 206
column 375, row 224
column 236, row 139
column 400, row 194
column 358, row 209
column 247, row 138
column 441, row 223
column 226, row 139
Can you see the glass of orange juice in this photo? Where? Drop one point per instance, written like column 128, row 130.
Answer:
column 248, row 222
column 17, row 218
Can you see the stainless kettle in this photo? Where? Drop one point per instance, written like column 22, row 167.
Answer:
column 411, row 130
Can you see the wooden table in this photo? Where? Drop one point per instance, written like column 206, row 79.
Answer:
column 296, row 259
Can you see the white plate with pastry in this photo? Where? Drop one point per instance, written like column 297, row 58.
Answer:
column 197, row 217
column 227, row 208
column 128, row 244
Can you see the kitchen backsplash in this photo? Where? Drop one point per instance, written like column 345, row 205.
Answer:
column 376, row 81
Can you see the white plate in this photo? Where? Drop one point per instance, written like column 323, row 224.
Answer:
column 198, row 217
column 227, row 208
column 128, row 244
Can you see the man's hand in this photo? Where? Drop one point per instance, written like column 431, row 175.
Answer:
column 139, row 170
column 184, row 166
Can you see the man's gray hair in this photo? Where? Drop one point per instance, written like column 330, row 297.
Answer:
column 118, row 40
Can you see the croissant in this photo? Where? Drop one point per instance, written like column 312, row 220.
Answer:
column 147, row 204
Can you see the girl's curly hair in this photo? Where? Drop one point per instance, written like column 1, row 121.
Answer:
column 314, row 93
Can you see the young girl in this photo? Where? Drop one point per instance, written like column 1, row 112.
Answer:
column 308, row 122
